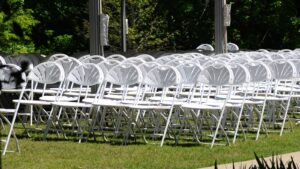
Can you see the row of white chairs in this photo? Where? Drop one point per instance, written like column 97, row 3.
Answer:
column 187, row 88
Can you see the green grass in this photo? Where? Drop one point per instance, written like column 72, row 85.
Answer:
column 36, row 154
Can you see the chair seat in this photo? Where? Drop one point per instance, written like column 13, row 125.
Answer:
column 287, row 89
column 75, row 89
column 232, row 97
column 72, row 104
column 76, row 94
column 130, row 89
column 200, row 106
column 140, row 102
column 174, row 103
column 32, row 102
column 13, row 90
column 47, row 91
column 3, row 110
column 270, row 98
column 168, row 99
column 245, row 101
column 107, row 102
column 56, row 98
column 151, row 107
column 295, row 95
column 89, row 100
column 118, row 97
column 218, row 103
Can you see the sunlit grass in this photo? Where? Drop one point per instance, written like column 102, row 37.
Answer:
column 61, row 153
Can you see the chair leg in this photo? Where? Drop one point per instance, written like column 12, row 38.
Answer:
column 11, row 131
column 285, row 116
column 166, row 127
column 217, row 128
column 49, row 121
column 238, row 123
column 260, row 120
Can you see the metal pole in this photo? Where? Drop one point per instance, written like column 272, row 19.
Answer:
column 95, row 8
column 100, row 44
column 219, row 27
column 225, row 29
column 123, row 25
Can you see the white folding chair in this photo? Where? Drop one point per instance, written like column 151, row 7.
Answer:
column 44, row 73
column 5, row 112
column 111, row 107
column 161, row 77
column 205, row 47
column 260, row 76
column 85, row 76
column 283, row 70
column 231, row 47
column 218, row 74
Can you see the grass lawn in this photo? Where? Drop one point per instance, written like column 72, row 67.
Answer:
column 60, row 154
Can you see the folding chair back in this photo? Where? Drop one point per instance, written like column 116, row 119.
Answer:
column 217, row 74
column 116, row 57
column 205, row 47
column 84, row 57
column 283, row 69
column 232, row 47
column 93, row 59
column 146, row 67
column 165, row 59
column 87, row 74
column 47, row 73
column 162, row 76
column 258, row 55
column 189, row 72
column 259, row 71
column 68, row 64
column 241, row 74
column 177, row 62
column 106, row 65
column 146, row 57
column 134, row 60
column 276, row 56
column 57, row 56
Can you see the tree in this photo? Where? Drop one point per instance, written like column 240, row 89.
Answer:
column 272, row 24
column 16, row 25
column 63, row 25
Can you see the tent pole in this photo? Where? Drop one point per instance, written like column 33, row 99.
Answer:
column 123, row 25
column 220, row 29
column 95, row 8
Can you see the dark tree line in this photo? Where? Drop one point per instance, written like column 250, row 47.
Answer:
column 62, row 26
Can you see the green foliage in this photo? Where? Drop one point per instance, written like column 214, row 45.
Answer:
column 265, row 24
column 16, row 25
column 62, row 26
column 148, row 30
column 277, row 163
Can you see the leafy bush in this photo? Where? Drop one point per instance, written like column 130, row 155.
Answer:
column 275, row 163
